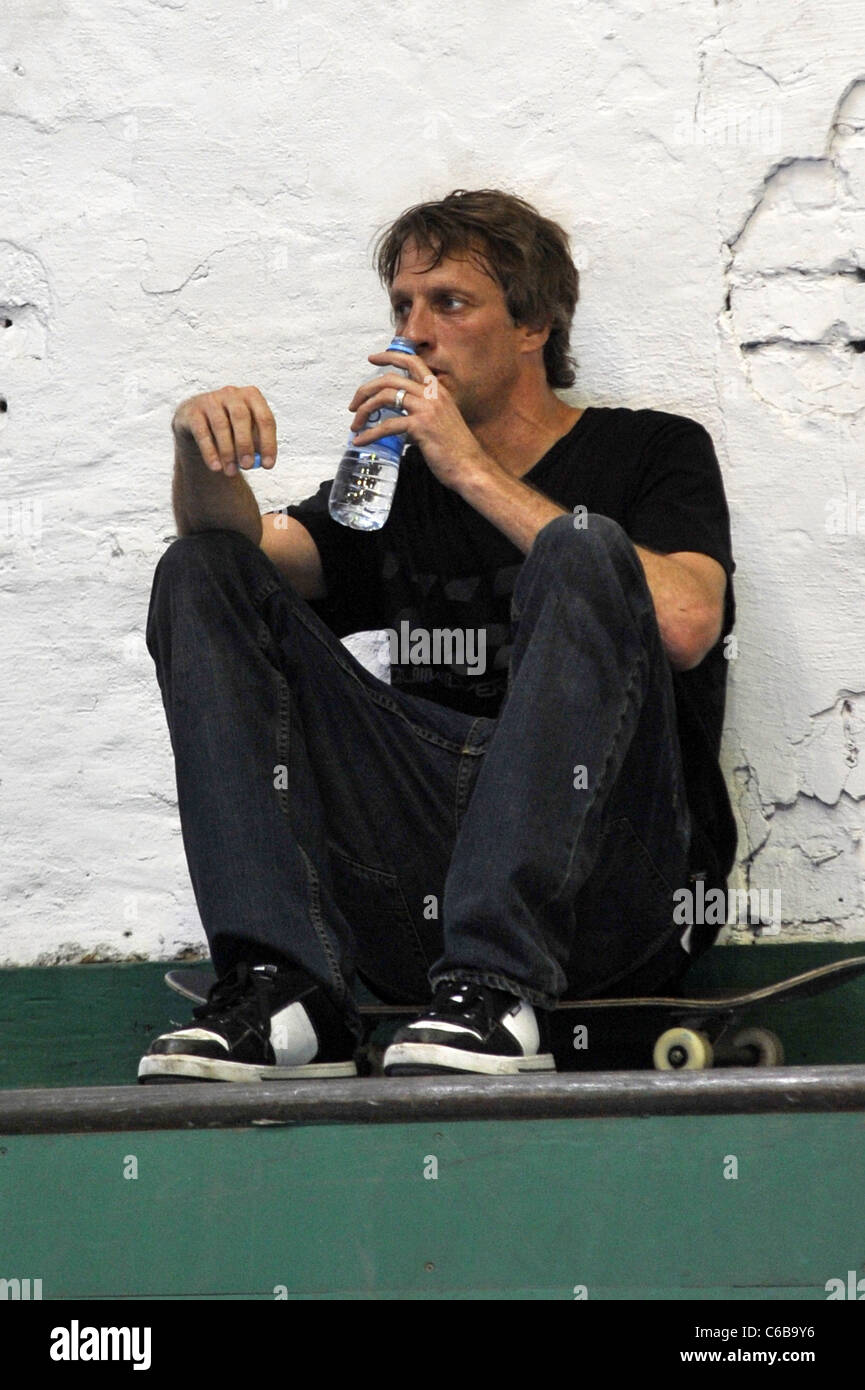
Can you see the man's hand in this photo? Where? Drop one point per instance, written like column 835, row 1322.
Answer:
column 433, row 421
column 215, row 434
column 229, row 426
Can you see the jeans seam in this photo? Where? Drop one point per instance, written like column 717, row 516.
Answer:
column 283, row 741
column 319, row 925
column 600, row 782
column 462, row 779
column 283, row 745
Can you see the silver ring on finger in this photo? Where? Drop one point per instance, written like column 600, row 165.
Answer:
column 400, row 397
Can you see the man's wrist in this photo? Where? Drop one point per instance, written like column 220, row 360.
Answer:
column 481, row 479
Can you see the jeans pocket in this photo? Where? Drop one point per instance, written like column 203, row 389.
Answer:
column 623, row 918
column 390, row 954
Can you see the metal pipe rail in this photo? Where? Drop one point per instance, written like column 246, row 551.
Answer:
column 379, row 1100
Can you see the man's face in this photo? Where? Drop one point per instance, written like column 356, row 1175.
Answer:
column 455, row 315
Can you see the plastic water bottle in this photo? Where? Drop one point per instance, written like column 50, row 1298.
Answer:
column 363, row 489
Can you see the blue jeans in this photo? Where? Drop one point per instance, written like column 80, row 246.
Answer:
column 336, row 822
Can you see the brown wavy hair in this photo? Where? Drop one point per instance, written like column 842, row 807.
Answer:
column 527, row 254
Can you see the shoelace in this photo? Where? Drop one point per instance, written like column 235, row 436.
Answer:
column 242, row 985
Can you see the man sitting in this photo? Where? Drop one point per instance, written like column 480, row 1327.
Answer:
column 487, row 840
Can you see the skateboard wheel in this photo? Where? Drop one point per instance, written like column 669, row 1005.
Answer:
column 682, row 1049
column 767, row 1045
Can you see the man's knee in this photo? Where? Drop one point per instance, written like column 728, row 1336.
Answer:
column 581, row 541
column 193, row 564
column 198, row 547
column 581, row 528
column 203, row 550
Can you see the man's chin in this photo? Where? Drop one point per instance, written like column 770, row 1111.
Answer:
column 464, row 403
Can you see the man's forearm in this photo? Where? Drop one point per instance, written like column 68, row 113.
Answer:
column 205, row 500
column 687, row 607
column 510, row 504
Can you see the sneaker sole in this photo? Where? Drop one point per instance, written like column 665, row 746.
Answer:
column 429, row 1059
column 182, row 1068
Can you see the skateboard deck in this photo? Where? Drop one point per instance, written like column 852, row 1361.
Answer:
column 669, row 1033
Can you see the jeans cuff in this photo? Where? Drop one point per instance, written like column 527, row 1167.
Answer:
column 538, row 997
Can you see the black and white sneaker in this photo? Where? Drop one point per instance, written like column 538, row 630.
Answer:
column 260, row 1023
column 470, row 1028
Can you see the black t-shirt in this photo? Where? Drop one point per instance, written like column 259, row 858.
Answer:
column 439, row 564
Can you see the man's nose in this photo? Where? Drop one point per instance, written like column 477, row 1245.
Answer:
column 418, row 326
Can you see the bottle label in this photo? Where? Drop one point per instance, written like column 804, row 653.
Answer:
column 393, row 444
column 390, row 444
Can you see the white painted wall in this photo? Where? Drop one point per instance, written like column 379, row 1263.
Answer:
column 188, row 199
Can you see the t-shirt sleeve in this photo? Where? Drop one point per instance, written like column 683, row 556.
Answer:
column 677, row 500
column 351, row 564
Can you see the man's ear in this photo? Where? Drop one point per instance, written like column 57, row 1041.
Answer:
column 535, row 336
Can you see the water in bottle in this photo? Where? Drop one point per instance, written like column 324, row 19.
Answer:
column 363, row 488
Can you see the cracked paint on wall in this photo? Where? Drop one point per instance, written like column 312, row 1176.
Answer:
column 797, row 276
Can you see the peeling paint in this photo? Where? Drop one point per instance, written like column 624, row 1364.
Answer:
column 794, row 280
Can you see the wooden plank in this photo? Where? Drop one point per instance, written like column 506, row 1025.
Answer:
column 622, row 1208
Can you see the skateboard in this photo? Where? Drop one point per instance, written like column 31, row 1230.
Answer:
column 671, row 1034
